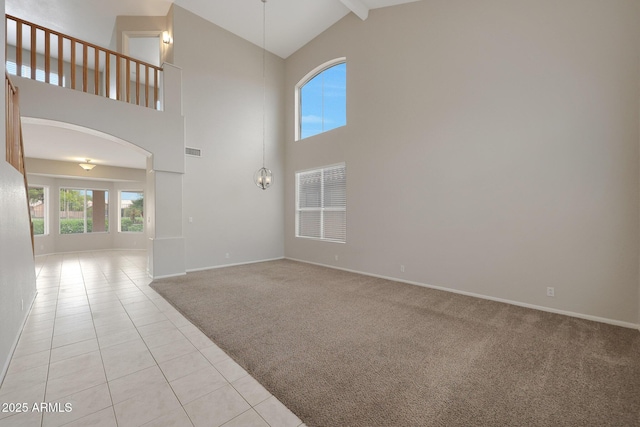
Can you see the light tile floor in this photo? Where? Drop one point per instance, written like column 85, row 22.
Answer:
column 101, row 340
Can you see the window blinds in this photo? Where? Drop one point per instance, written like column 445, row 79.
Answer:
column 321, row 203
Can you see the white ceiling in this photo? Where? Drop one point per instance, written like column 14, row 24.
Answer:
column 67, row 143
column 290, row 24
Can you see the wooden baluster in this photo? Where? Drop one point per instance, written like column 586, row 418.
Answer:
column 73, row 63
column 107, row 74
column 33, row 53
column 155, row 88
column 15, row 125
column 47, row 56
column 96, row 72
column 97, row 78
column 19, row 48
column 85, row 69
column 7, row 108
column 118, row 78
column 9, row 121
column 137, row 83
column 60, row 59
column 146, row 86
column 128, row 77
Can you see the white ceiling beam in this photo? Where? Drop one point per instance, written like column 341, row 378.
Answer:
column 357, row 7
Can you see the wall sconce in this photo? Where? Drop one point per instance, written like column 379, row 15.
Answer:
column 166, row 38
column 87, row 166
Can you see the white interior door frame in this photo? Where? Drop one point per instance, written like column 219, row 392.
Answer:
column 128, row 35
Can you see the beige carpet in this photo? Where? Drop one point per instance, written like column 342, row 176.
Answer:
column 342, row 349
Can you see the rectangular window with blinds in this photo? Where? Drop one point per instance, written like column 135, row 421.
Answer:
column 321, row 203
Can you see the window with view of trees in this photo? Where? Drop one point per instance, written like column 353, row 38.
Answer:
column 132, row 211
column 84, row 211
column 38, row 208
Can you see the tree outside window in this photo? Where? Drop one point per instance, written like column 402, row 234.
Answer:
column 132, row 211
column 83, row 211
column 38, row 209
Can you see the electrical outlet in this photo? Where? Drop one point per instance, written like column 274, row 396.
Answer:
column 551, row 292
column 336, row 256
column 227, row 255
column 22, row 305
column 402, row 268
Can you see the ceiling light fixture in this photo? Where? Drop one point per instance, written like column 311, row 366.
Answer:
column 87, row 166
column 263, row 176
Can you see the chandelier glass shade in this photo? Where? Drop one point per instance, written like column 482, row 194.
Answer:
column 263, row 178
column 87, row 166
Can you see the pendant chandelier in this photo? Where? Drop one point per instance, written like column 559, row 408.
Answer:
column 263, row 176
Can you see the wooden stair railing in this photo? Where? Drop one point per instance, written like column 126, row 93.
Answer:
column 15, row 146
column 68, row 58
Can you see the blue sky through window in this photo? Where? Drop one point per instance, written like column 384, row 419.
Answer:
column 131, row 195
column 323, row 101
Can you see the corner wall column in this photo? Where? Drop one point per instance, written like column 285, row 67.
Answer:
column 166, row 246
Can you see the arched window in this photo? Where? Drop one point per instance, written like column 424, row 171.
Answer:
column 321, row 99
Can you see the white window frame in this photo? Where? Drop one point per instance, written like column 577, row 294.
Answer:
column 309, row 76
column 45, row 210
column 120, row 211
column 321, row 209
column 85, row 189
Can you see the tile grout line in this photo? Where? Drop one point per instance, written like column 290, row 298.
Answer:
column 230, row 383
column 53, row 329
column 149, row 350
column 84, row 284
column 129, row 275
column 197, row 350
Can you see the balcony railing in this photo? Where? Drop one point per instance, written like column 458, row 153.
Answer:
column 14, row 135
column 42, row 54
column 14, row 144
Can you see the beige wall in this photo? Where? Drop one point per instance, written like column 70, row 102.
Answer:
column 17, row 268
column 224, row 211
column 491, row 148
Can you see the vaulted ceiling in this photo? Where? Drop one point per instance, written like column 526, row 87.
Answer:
column 290, row 23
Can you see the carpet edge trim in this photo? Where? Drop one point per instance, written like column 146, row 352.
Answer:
column 193, row 270
column 486, row 297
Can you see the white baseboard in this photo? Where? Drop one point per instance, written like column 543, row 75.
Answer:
column 487, row 297
column 91, row 250
column 166, row 276
column 5, row 368
column 192, row 270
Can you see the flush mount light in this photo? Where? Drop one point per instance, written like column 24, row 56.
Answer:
column 87, row 166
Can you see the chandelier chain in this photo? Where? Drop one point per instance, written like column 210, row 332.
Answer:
column 264, row 80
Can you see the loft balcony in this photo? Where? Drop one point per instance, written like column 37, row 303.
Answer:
column 45, row 55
